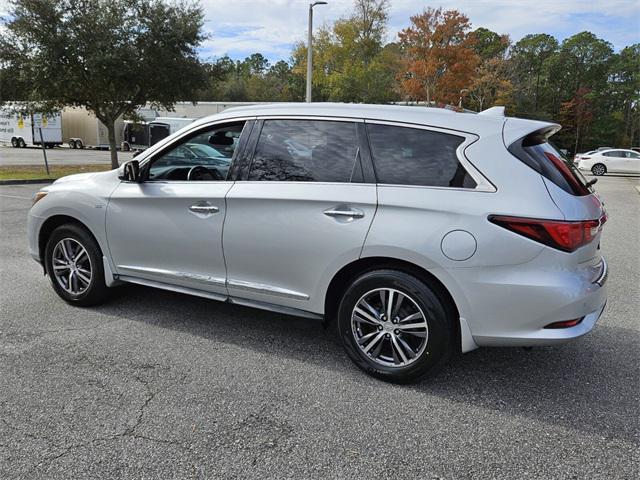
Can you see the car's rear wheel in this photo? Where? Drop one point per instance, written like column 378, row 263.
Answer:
column 598, row 169
column 74, row 264
column 394, row 326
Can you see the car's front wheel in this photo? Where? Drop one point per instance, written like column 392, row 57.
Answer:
column 74, row 264
column 394, row 326
column 598, row 169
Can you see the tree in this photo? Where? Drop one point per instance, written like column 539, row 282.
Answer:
column 623, row 92
column 109, row 56
column 350, row 61
column 489, row 45
column 577, row 114
column 530, row 59
column 490, row 85
column 582, row 61
column 439, row 56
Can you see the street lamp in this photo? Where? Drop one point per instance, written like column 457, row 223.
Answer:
column 309, row 48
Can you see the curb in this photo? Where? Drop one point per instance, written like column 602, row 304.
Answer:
column 27, row 182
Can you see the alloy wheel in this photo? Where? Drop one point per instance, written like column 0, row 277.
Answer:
column 72, row 267
column 389, row 327
column 598, row 170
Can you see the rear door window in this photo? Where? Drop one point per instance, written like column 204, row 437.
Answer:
column 414, row 156
column 307, row 151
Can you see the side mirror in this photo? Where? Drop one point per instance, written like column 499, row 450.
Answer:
column 131, row 171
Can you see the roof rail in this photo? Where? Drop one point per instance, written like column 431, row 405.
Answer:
column 493, row 112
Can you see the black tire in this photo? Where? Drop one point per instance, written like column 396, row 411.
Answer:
column 598, row 169
column 14, row 142
column 97, row 291
column 21, row 143
column 126, row 147
column 72, row 144
column 440, row 340
column 79, row 144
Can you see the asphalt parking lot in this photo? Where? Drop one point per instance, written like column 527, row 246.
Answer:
column 161, row 385
column 57, row 156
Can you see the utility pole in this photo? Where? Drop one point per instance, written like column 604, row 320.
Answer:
column 310, row 49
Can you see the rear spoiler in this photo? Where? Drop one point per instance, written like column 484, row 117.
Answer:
column 530, row 132
column 493, row 112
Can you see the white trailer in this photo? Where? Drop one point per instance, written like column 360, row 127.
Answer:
column 23, row 129
column 81, row 128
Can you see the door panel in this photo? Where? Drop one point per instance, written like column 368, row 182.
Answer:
column 614, row 163
column 170, row 232
column 284, row 240
column 631, row 164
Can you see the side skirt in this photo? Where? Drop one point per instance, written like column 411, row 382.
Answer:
column 219, row 297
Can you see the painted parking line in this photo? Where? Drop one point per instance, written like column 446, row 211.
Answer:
column 15, row 196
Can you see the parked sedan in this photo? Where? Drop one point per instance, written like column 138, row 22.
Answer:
column 414, row 233
column 616, row 160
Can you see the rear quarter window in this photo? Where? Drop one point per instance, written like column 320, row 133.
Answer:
column 535, row 151
column 414, row 156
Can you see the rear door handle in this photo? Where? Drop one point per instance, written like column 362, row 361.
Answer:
column 344, row 213
column 204, row 207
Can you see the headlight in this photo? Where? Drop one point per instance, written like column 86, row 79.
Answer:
column 38, row 196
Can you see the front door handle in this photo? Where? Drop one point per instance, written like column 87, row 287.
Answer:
column 344, row 212
column 204, row 207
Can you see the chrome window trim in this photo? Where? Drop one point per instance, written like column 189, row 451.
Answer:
column 311, row 118
column 482, row 183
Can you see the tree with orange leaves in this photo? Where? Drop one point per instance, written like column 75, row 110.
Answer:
column 439, row 59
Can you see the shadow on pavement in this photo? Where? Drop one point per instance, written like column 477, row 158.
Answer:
column 589, row 385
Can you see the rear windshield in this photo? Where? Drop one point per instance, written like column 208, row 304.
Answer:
column 535, row 151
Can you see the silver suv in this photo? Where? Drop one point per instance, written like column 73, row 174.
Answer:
column 417, row 232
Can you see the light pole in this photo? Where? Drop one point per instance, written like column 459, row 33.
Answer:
column 309, row 48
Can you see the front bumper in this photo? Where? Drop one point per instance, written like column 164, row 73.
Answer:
column 33, row 228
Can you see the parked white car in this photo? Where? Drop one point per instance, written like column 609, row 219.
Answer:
column 616, row 160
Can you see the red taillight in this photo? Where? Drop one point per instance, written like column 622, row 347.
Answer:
column 563, row 235
column 584, row 158
column 565, row 324
column 577, row 187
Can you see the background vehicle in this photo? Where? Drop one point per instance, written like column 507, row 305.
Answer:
column 611, row 161
column 162, row 127
column 82, row 129
column 580, row 156
column 140, row 135
column 403, row 227
column 23, row 129
column 135, row 135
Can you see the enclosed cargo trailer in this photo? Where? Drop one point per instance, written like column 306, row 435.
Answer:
column 81, row 128
column 22, row 129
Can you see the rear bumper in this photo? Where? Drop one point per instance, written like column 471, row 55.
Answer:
column 512, row 305
column 544, row 336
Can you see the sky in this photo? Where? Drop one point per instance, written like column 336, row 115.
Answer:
column 271, row 27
